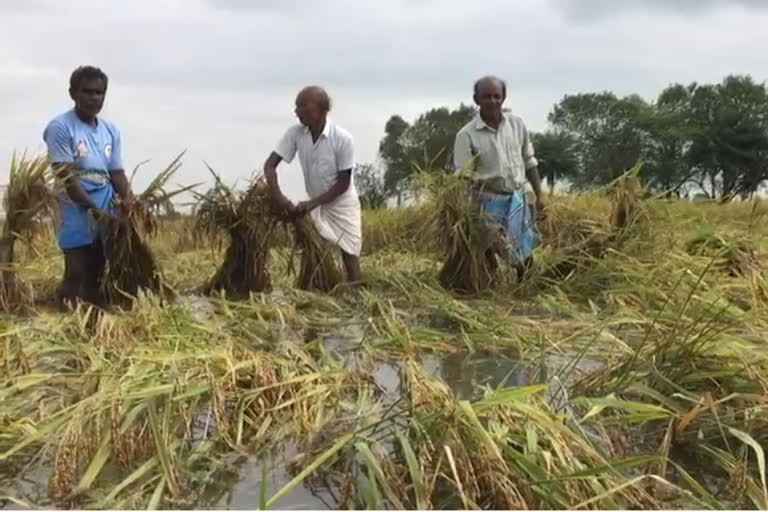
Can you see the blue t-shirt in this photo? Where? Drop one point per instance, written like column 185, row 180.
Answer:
column 94, row 151
column 91, row 148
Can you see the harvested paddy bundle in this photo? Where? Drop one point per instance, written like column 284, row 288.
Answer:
column 626, row 196
column 247, row 219
column 581, row 239
column 468, row 245
column 319, row 266
column 735, row 257
column 130, row 264
column 27, row 201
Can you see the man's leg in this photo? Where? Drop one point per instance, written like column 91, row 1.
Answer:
column 352, row 265
column 75, row 272
column 522, row 269
column 92, row 281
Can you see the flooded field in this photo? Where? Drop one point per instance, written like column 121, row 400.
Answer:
column 636, row 382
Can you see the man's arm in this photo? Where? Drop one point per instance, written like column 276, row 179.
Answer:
column 117, row 171
column 270, row 173
column 345, row 160
column 338, row 188
column 462, row 152
column 531, row 168
column 121, row 185
column 66, row 173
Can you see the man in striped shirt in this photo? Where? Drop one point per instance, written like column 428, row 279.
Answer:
column 496, row 146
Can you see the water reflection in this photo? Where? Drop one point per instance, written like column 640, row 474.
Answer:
column 244, row 493
column 469, row 373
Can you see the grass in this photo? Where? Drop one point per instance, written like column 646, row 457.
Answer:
column 642, row 377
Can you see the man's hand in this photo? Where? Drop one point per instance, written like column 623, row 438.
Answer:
column 281, row 205
column 304, row 208
column 541, row 206
column 127, row 204
column 97, row 213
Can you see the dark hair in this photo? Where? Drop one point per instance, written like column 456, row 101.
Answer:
column 86, row 73
column 502, row 82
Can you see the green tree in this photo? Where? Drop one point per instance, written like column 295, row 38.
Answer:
column 393, row 154
column 729, row 145
column 426, row 144
column 369, row 183
column 609, row 138
column 557, row 156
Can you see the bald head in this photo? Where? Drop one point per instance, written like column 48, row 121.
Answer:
column 490, row 82
column 315, row 94
column 490, row 93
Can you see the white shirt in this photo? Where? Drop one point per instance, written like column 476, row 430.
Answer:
column 501, row 156
column 339, row 221
column 320, row 161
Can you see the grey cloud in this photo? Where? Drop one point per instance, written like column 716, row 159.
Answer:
column 219, row 76
column 594, row 10
column 261, row 5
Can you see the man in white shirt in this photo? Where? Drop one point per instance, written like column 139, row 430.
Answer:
column 326, row 155
column 496, row 146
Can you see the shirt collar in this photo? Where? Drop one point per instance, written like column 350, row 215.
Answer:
column 326, row 128
column 480, row 124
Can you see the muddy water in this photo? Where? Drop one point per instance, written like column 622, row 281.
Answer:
column 245, row 494
column 468, row 374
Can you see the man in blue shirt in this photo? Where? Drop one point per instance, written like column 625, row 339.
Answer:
column 87, row 154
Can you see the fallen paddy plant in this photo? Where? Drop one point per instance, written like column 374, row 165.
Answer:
column 247, row 220
column 319, row 265
column 26, row 203
column 469, row 249
column 639, row 380
column 130, row 263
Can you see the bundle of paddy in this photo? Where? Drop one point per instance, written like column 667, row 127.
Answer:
column 247, row 219
column 130, row 264
column 27, row 201
column 580, row 239
column 626, row 195
column 735, row 257
column 320, row 269
column 468, row 246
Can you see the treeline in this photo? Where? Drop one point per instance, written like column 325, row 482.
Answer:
column 695, row 139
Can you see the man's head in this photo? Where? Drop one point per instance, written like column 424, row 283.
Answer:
column 490, row 93
column 312, row 105
column 87, row 87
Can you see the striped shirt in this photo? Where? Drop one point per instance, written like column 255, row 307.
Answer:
column 499, row 158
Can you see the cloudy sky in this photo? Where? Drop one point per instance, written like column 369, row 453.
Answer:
column 218, row 77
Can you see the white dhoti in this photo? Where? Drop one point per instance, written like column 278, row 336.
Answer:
column 340, row 223
column 321, row 161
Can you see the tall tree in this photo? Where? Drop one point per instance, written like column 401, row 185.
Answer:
column 426, row 144
column 608, row 136
column 369, row 183
column 557, row 156
column 393, row 154
column 729, row 145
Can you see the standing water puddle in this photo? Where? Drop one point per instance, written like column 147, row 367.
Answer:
column 245, row 494
column 467, row 373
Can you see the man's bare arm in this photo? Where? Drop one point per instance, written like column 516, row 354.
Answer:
column 121, row 185
column 533, row 177
column 75, row 191
column 270, row 173
column 338, row 188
